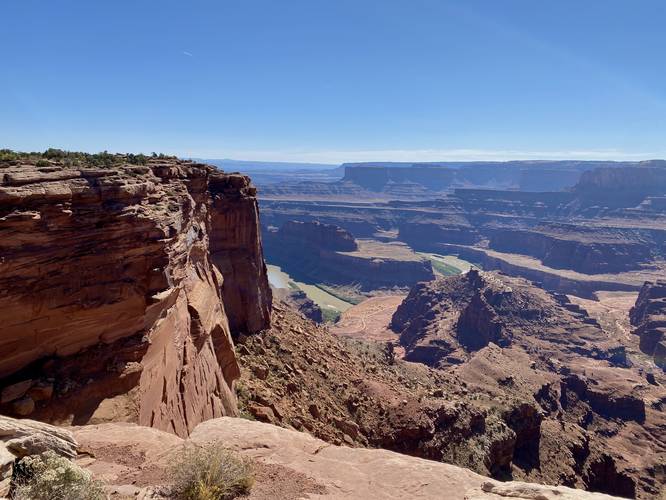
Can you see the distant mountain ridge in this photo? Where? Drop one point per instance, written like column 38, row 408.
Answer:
column 251, row 166
column 523, row 175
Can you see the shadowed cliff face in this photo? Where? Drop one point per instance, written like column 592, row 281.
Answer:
column 112, row 304
column 237, row 252
column 649, row 318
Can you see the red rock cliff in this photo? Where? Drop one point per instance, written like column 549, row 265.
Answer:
column 238, row 254
column 111, row 301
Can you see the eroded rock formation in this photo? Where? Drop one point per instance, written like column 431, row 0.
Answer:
column 326, row 253
column 576, row 400
column 299, row 301
column 608, row 232
column 119, row 286
column 649, row 318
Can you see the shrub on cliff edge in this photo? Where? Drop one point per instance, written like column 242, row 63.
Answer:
column 210, row 472
column 51, row 477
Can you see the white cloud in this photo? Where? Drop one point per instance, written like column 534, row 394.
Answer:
column 425, row 155
column 186, row 53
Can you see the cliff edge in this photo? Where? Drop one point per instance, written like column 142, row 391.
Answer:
column 121, row 286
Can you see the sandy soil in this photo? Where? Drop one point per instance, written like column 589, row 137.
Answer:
column 369, row 320
column 376, row 249
column 612, row 313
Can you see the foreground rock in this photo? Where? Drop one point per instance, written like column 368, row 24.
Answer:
column 134, row 460
column 120, row 284
column 23, row 438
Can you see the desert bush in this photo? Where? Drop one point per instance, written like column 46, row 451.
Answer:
column 8, row 155
column 51, row 477
column 210, row 472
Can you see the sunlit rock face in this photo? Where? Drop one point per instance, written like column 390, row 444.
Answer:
column 112, row 301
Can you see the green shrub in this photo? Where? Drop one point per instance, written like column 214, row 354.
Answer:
column 210, row 472
column 8, row 155
column 51, row 477
column 330, row 315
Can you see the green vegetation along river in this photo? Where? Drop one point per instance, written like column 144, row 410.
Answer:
column 448, row 265
column 280, row 279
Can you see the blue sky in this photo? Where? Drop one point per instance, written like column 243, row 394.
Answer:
column 336, row 80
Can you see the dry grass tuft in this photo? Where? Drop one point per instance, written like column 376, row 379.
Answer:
column 211, row 472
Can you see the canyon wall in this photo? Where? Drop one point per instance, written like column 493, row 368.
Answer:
column 238, row 253
column 535, row 176
column 326, row 253
column 118, row 287
column 648, row 317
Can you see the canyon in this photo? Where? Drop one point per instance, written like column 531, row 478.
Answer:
column 606, row 232
column 480, row 370
column 134, row 295
column 325, row 253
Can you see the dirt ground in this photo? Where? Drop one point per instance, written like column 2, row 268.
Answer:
column 369, row 320
column 612, row 313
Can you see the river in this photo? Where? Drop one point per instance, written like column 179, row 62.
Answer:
column 280, row 279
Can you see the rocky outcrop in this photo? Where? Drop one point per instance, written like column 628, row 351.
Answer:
column 28, row 437
column 238, row 253
column 648, row 317
column 574, row 393
column 116, row 285
column 290, row 464
column 483, row 308
column 479, row 324
column 22, row 438
column 299, row 301
column 318, row 235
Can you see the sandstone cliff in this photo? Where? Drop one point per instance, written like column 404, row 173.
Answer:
column 119, row 285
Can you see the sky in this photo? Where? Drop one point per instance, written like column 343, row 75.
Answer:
column 336, row 80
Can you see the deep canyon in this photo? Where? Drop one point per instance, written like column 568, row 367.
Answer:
column 134, row 295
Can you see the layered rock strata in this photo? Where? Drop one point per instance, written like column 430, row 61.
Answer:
column 606, row 233
column 325, row 253
column 578, row 402
column 118, row 288
column 648, row 317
